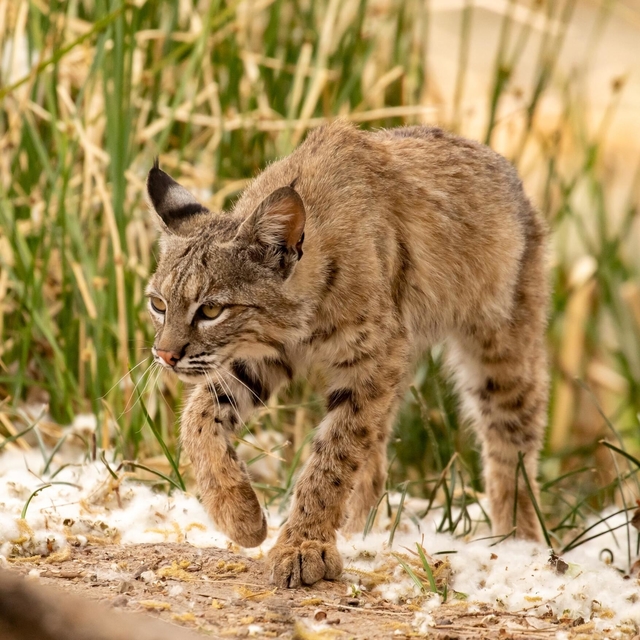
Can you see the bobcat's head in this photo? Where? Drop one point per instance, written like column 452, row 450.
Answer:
column 220, row 290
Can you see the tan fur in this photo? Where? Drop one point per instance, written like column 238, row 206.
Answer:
column 412, row 236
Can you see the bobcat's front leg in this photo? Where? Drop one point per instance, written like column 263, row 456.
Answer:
column 356, row 424
column 210, row 419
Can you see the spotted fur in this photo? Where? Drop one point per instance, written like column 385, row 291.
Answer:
column 353, row 255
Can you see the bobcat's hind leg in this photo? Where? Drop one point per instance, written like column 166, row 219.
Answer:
column 501, row 374
column 504, row 393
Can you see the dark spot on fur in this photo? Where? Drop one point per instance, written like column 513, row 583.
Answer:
column 515, row 404
column 321, row 334
column 372, row 390
column 332, row 272
column 335, row 481
column 184, row 253
column 231, row 452
column 352, row 362
column 400, row 276
column 511, row 426
column 205, row 414
column 320, row 502
column 361, row 432
column 259, row 392
column 495, row 358
column 281, row 365
column 340, row 397
column 513, row 431
column 217, row 420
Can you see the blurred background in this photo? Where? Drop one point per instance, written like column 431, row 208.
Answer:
column 92, row 90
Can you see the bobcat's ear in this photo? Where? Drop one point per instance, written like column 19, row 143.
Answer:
column 171, row 201
column 277, row 222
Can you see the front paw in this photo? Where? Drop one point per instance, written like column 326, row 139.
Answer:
column 238, row 514
column 294, row 564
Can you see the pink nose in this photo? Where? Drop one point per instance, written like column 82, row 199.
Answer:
column 170, row 357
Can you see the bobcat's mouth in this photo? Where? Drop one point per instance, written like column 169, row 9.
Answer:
column 192, row 375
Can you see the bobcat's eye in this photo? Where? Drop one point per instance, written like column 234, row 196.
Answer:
column 158, row 305
column 210, row 312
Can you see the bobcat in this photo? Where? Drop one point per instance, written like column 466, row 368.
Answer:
column 353, row 255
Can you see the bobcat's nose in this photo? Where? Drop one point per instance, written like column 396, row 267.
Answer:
column 170, row 357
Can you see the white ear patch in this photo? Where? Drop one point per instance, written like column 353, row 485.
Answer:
column 176, row 198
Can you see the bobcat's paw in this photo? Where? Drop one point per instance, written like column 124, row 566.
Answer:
column 293, row 565
column 238, row 514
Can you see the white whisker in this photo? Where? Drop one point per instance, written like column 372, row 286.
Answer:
column 130, row 407
column 251, row 391
column 234, row 403
column 212, row 390
column 124, row 376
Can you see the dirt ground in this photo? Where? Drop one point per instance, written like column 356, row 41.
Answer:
column 217, row 593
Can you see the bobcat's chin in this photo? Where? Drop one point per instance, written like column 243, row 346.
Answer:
column 192, row 378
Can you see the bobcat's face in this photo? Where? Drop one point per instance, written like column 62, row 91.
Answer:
column 219, row 291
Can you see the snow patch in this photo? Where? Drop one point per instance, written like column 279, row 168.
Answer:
column 84, row 504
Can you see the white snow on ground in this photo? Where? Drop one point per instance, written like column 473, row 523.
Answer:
column 85, row 502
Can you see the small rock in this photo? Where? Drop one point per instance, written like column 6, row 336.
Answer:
column 143, row 568
column 334, row 621
column 320, row 615
column 350, row 602
column 558, row 564
column 125, row 587
column 120, row 601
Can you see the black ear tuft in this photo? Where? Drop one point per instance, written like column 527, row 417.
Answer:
column 172, row 202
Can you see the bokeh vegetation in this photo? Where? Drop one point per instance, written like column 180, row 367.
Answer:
column 92, row 90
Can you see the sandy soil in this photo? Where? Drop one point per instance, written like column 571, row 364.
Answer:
column 220, row 594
